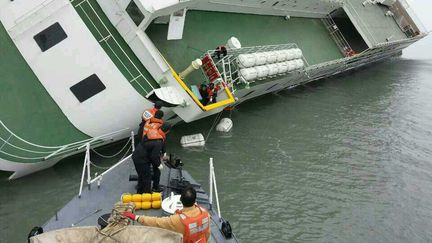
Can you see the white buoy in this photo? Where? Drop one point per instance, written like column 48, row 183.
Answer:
column 171, row 204
column 224, row 125
column 195, row 140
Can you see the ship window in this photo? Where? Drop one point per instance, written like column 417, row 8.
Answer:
column 87, row 88
column 135, row 13
column 50, row 37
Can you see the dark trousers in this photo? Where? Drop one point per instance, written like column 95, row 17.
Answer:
column 146, row 158
column 145, row 177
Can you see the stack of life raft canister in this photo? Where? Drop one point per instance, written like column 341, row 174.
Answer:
column 269, row 64
column 143, row 201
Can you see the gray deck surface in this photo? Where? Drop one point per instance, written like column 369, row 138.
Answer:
column 373, row 23
column 95, row 202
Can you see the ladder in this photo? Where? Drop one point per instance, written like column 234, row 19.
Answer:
column 338, row 37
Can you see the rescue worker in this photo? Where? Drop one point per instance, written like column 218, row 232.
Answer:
column 203, row 93
column 154, row 122
column 220, row 50
column 192, row 221
column 212, row 93
column 148, row 154
column 147, row 114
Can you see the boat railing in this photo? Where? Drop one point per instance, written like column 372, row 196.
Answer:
column 17, row 148
column 337, row 36
column 88, row 163
column 407, row 19
column 227, row 65
column 213, row 185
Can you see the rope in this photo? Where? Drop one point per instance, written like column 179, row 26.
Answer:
column 114, row 155
column 100, row 167
column 213, row 125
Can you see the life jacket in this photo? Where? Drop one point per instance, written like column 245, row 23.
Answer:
column 152, row 124
column 212, row 91
column 195, row 228
column 155, row 133
column 149, row 113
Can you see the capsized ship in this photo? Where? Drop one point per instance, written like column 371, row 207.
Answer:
column 77, row 74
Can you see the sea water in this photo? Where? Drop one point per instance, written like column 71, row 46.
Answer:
column 345, row 159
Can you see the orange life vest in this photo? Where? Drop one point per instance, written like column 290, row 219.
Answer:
column 152, row 124
column 149, row 113
column 154, row 134
column 195, row 227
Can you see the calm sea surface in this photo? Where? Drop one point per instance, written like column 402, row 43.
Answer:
column 346, row 159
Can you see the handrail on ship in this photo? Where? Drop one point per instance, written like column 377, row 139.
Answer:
column 216, row 105
column 50, row 151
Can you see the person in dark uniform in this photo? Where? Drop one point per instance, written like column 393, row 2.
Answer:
column 148, row 154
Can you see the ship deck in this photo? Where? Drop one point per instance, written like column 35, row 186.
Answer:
column 205, row 30
column 27, row 109
column 371, row 21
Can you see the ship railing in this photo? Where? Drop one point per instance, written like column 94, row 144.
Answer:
column 105, row 36
column 227, row 65
column 337, row 36
column 16, row 147
column 220, row 104
column 98, row 178
column 407, row 19
column 253, row 49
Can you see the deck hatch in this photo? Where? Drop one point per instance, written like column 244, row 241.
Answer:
column 87, row 88
column 50, row 37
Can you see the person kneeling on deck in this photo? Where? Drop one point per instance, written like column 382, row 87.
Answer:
column 149, row 113
column 192, row 221
column 148, row 154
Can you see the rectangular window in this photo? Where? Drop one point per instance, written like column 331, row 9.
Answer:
column 50, row 37
column 87, row 88
column 135, row 13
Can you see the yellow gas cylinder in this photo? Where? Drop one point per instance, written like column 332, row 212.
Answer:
column 126, row 198
column 138, row 205
column 146, row 197
column 136, row 198
column 156, row 196
column 156, row 204
column 146, row 205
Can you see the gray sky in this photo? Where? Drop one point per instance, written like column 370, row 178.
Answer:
column 423, row 48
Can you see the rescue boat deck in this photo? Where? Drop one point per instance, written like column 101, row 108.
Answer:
column 96, row 202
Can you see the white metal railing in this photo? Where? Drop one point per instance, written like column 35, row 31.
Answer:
column 98, row 178
column 106, row 38
column 227, row 67
column 213, row 184
column 11, row 140
column 337, row 36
